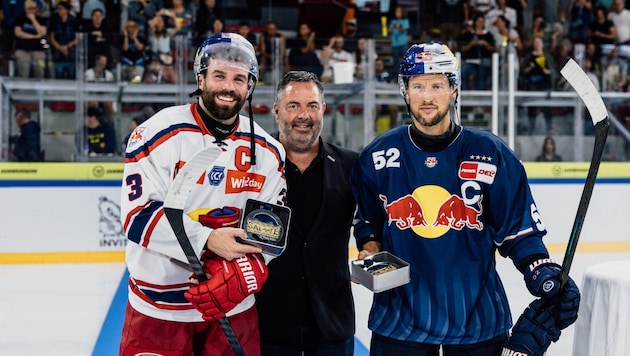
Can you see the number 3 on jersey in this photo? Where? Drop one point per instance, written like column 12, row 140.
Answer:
column 386, row 159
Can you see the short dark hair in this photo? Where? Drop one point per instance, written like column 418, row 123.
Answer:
column 299, row 76
column 23, row 112
column 243, row 23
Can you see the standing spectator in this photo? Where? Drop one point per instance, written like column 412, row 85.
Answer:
column 451, row 14
column 580, row 15
column 99, row 37
column 520, row 6
column 26, row 145
column 30, row 36
column 476, row 46
column 507, row 41
column 501, row 10
column 63, row 37
column 331, row 54
column 302, row 55
column 361, row 59
column 101, row 137
column 87, row 11
column 398, row 33
column 551, row 10
column 205, row 16
column 273, row 51
column 133, row 53
column 548, row 152
column 620, row 16
column 218, row 26
column 161, row 37
column 351, row 36
column 183, row 15
column 245, row 31
column 602, row 31
column 480, row 7
column 536, row 73
column 614, row 70
column 166, row 313
column 420, row 199
column 9, row 12
column 142, row 11
column 538, row 29
column 305, row 306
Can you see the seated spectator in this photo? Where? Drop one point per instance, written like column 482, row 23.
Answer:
column 332, row 54
column 63, row 31
column 351, row 36
column 98, row 72
column 360, row 58
column 245, row 31
column 548, row 153
column 133, row 55
column 506, row 39
column 614, row 70
column 476, row 46
column 157, row 72
column 217, row 26
column 302, row 55
column 26, row 145
column 101, row 137
column 30, row 30
column 99, row 38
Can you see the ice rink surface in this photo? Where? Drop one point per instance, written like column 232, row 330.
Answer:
column 75, row 309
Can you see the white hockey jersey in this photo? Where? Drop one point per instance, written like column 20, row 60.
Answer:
column 155, row 152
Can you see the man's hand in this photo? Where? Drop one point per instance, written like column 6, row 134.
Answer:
column 542, row 278
column 230, row 283
column 369, row 248
column 534, row 331
column 568, row 304
column 223, row 239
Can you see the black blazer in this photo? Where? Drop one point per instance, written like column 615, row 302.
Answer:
column 324, row 253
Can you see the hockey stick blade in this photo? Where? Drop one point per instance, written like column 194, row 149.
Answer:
column 173, row 206
column 596, row 107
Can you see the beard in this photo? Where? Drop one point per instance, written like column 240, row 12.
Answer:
column 221, row 112
column 299, row 142
column 431, row 121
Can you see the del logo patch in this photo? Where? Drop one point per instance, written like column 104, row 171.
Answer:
column 479, row 171
column 238, row 181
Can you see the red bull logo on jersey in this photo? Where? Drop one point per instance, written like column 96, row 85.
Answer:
column 479, row 171
column 431, row 211
column 136, row 135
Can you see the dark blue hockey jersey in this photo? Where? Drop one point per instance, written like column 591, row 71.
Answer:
column 446, row 213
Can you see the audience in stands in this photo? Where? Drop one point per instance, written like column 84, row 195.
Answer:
column 206, row 13
column 580, row 15
column 100, row 135
column 142, row 11
column 620, row 16
column 132, row 56
column 399, row 33
column 302, row 54
column 476, row 46
column 333, row 54
column 273, row 49
column 548, row 151
column 63, row 37
column 99, row 37
column 30, row 42
column 536, row 76
column 602, row 31
column 183, row 15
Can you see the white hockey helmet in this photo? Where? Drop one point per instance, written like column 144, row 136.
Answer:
column 227, row 49
column 428, row 58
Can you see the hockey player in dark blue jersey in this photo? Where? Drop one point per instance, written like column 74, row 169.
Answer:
column 446, row 198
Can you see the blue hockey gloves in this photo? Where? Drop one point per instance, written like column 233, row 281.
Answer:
column 542, row 278
column 534, row 331
column 567, row 303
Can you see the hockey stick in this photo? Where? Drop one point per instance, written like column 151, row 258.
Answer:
column 580, row 82
column 173, row 206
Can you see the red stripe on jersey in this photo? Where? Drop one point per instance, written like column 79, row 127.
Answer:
column 154, row 221
column 132, row 213
column 159, row 305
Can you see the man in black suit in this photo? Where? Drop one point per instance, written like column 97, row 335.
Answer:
column 306, row 303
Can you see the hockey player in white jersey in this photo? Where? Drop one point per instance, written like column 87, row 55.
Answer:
column 160, row 318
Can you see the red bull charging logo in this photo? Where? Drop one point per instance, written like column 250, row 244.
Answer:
column 430, row 211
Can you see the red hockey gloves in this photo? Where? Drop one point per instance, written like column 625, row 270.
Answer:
column 231, row 282
column 228, row 216
column 534, row 331
column 542, row 278
column 567, row 303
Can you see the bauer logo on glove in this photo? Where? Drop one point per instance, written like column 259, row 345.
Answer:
column 266, row 225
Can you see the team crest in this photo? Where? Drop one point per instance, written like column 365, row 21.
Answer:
column 423, row 57
column 216, row 175
column 430, row 162
column 136, row 135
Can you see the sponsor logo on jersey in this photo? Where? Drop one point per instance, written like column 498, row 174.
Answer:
column 215, row 176
column 431, row 211
column 243, row 182
column 136, row 135
column 479, row 171
column 430, row 162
